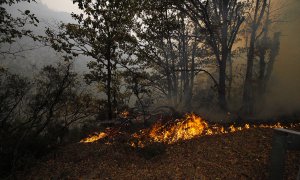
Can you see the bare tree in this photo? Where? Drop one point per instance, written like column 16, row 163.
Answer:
column 248, row 95
column 220, row 20
column 173, row 51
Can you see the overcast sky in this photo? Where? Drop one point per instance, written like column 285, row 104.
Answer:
column 61, row 5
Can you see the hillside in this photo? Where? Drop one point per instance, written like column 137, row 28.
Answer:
column 34, row 55
column 239, row 155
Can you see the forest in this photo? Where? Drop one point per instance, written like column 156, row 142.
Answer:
column 171, row 89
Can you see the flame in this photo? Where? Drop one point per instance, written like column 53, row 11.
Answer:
column 109, row 132
column 95, row 137
column 181, row 129
column 124, row 114
column 187, row 128
column 192, row 126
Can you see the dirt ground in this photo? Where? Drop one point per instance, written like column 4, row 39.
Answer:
column 240, row 155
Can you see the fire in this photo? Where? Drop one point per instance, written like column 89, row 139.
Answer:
column 192, row 126
column 109, row 132
column 189, row 127
column 124, row 114
column 94, row 137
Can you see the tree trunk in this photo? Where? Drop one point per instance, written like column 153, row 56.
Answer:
column 273, row 54
column 188, row 102
column 109, row 80
column 264, row 46
column 229, row 77
column 248, row 90
column 223, row 60
column 248, row 95
column 109, row 96
column 222, row 85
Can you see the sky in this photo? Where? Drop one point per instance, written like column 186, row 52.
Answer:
column 61, row 5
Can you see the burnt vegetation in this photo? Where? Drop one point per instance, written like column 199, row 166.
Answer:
column 149, row 63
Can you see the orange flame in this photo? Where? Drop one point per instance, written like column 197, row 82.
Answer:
column 94, row 138
column 192, row 126
column 181, row 129
column 124, row 114
column 187, row 128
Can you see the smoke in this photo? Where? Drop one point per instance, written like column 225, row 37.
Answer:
column 284, row 87
column 283, row 94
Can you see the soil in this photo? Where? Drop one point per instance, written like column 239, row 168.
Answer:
column 240, row 155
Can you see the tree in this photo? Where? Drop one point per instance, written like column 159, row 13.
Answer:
column 105, row 33
column 53, row 94
column 220, row 21
column 12, row 28
column 138, row 83
column 156, row 46
column 12, row 94
column 248, row 95
column 33, row 115
column 267, row 51
column 170, row 44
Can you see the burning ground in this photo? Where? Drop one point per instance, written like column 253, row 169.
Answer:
column 187, row 148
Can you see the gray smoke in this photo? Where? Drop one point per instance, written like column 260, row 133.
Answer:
column 284, row 87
